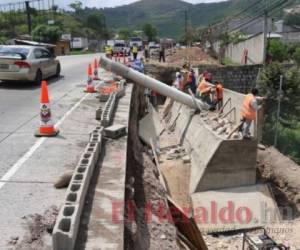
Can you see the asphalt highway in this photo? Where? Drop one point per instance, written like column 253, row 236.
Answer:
column 29, row 166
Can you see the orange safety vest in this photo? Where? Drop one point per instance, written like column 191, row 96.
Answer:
column 247, row 111
column 219, row 92
column 203, row 87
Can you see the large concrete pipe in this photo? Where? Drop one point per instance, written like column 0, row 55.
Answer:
column 151, row 83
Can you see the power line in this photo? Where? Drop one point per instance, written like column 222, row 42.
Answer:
column 246, row 10
column 260, row 14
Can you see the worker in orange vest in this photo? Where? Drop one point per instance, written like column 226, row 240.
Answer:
column 204, row 90
column 248, row 112
column 219, row 95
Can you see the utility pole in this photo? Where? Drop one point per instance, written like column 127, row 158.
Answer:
column 185, row 26
column 279, row 96
column 265, row 37
column 265, row 33
column 28, row 17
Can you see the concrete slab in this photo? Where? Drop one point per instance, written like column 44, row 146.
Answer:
column 115, row 131
column 150, row 127
column 234, row 209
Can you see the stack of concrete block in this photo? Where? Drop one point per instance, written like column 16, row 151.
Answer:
column 108, row 111
column 66, row 227
column 121, row 89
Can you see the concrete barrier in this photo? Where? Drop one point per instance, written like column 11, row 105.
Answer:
column 216, row 162
column 68, row 220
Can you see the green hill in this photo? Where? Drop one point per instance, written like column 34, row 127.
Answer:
column 168, row 15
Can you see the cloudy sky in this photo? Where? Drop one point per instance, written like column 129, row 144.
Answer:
column 102, row 3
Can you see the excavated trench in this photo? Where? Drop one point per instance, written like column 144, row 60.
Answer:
column 146, row 197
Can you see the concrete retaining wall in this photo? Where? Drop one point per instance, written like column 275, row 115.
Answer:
column 237, row 78
column 216, row 162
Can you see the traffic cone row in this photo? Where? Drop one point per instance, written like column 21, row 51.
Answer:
column 47, row 128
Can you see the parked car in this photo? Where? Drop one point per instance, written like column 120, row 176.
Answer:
column 136, row 41
column 154, row 50
column 27, row 63
column 79, row 43
column 153, row 45
column 119, row 47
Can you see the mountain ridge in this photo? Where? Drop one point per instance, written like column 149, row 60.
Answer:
column 168, row 15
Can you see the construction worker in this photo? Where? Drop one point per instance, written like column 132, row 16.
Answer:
column 134, row 52
column 138, row 65
column 205, row 89
column 146, row 52
column 178, row 81
column 162, row 56
column 191, row 82
column 107, row 51
column 218, row 95
column 248, row 112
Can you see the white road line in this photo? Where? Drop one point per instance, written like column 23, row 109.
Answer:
column 38, row 143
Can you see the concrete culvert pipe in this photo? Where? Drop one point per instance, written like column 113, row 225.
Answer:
column 151, row 83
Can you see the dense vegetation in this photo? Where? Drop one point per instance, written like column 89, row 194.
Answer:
column 79, row 22
column 289, row 121
column 167, row 17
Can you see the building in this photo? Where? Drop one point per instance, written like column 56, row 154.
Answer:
column 289, row 33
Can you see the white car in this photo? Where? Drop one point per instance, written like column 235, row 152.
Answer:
column 27, row 63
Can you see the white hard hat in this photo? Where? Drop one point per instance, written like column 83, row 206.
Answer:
column 177, row 74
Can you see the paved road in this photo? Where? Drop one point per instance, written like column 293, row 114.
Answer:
column 33, row 164
column 19, row 108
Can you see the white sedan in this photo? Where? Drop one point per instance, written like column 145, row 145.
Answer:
column 27, row 63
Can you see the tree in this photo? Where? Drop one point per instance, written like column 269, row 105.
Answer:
column 292, row 19
column 150, row 31
column 76, row 6
column 96, row 22
column 46, row 33
column 124, row 34
column 296, row 56
column 278, row 50
column 289, row 121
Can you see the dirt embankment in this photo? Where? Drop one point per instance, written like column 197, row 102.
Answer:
column 195, row 56
column 284, row 175
column 145, row 228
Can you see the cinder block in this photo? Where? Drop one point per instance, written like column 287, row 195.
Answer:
column 121, row 93
column 93, row 148
column 103, row 98
column 98, row 113
column 115, row 131
column 95, row 137
column 66, row 228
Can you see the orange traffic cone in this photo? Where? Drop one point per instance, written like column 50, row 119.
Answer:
column 89, row 85
column 46, row 126
column 96, row 70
